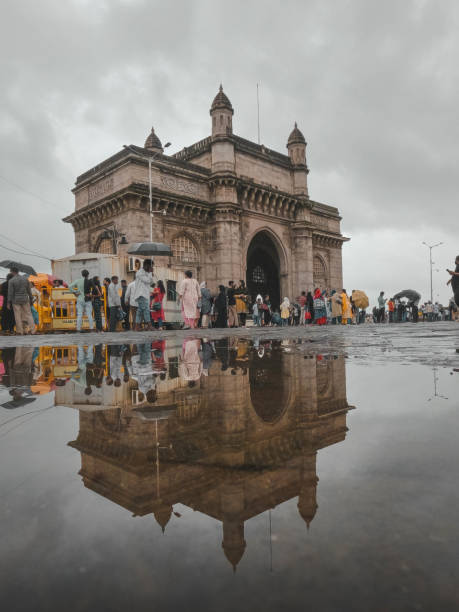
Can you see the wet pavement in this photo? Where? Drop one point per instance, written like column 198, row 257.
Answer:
column 244, row 470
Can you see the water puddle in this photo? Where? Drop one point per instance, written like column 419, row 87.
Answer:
column 232, row 474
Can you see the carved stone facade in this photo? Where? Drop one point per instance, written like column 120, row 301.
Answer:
column 221, row 194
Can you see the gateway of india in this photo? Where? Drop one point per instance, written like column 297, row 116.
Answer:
column 229, row 208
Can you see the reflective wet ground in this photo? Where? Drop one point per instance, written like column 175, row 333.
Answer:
column 229, row 474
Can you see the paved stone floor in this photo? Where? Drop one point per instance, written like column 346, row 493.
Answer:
column 430, row 343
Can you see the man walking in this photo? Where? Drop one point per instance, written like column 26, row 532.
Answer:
column 20, row 301
column 114, row 303
column 232, row 310
column 82, row 288
column 381, row 307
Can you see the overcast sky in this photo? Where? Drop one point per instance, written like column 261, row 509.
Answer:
column 373, row 85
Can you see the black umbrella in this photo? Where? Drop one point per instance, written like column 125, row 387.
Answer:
column 8, row 263
column 409, row 294
column 149, row 249
column 18, row 403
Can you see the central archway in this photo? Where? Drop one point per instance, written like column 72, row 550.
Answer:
column 263, row 268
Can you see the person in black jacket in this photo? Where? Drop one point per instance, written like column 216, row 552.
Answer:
column 221, row 306
column 7, row 316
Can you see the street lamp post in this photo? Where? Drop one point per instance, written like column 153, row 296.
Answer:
column 430, row 247
column 150, row 161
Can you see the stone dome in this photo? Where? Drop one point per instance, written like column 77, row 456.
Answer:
column 234, row 552
column 221, row 100
column 162, row 515
column 152, row 141
column 296, row 136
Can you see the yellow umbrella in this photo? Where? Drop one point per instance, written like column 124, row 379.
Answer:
column 360, row 299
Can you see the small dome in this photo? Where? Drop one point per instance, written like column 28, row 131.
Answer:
column 153, row 142
column 162, row 515
column 234, row 552
column 296, row 137
column 221, row 100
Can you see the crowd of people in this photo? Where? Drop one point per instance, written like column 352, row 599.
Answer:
column 138, row 305
column 396, row 310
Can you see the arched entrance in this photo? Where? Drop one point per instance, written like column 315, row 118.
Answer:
column 268, row 384
column 263, row 268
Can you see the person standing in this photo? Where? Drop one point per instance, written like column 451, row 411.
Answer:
column 285, row 311
column 130, row 304
column 414, row 311
column 302, row 301
column 106, row 285
column 36, row 301
column 232, row 310
column 381, row 307
column 345, row 308
column 390, row 308
column 336, row 307
column 310, row 307
column 143, row 282
column 257, row 311
column 82, row 288
column 320, row 310
column 20, row 301
column 114, row 303
column 7, row 319
column 206, row 305
column 157, row 311
column 97, row 297
column 241, row 303
column 452, row 309
column 124, row 306
column 189, row 293
column 267, row 310
column 221, row 306
column 454, row 281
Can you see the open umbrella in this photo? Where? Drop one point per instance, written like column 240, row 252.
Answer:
column 8, row 263
column 410, row 294
column 149, row 249
column 360, row 299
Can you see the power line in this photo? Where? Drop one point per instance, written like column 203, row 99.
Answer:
column 23, row 247
column 21, row 253
column 34, row 195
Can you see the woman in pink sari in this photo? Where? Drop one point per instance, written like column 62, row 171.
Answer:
column 189, row 293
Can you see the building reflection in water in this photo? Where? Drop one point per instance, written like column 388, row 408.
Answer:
column 229, row 428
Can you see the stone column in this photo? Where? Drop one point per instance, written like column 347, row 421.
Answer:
column 336, row 269
column 302, row 259
column 226, row 256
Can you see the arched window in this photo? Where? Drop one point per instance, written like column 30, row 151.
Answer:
column 319, row 273
column 258, row 275
column 184, row 250
column 106, row 246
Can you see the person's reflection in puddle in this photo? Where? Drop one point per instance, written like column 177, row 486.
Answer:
column 191, row 367
column 142, row 372
column 80, row 377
